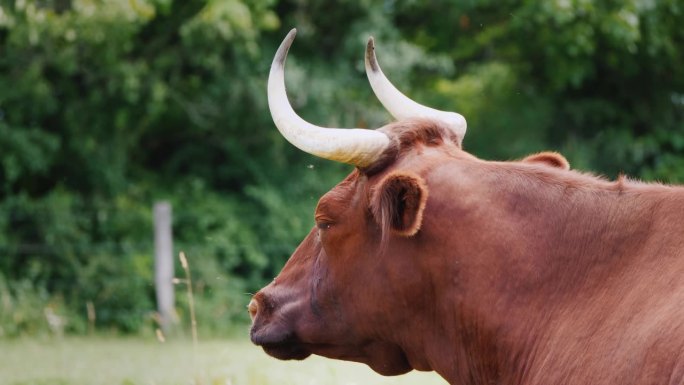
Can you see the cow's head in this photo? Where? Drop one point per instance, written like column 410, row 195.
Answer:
column 360, row 282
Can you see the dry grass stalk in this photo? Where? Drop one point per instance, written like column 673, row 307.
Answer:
column 54, row 320
column 160, row 335
column 191, row 304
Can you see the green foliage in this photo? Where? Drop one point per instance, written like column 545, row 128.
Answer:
column 29, row 309
column 98, row 104
column 21, row 307
column 108, row 106
column 600, row 81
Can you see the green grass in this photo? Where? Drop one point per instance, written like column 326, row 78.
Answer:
column 144, row 361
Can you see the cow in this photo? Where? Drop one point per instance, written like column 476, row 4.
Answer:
column 428, row 258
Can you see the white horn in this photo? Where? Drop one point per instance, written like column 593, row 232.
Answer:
column 359, row 147
column 399, row 105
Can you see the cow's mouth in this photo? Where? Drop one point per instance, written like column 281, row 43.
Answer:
column 289, row 350
column 283, row 346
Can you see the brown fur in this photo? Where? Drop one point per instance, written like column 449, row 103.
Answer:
column 519, row 274
column 406, row 135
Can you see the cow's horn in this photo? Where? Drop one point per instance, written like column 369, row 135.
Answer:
column 359, row 147
column 398, row 104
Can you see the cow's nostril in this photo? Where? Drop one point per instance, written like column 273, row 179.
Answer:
column 252, row 308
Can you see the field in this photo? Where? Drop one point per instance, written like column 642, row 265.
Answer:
column 145, row 361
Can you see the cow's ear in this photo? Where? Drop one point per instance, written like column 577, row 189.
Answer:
column 398, row 201
column 549, row 158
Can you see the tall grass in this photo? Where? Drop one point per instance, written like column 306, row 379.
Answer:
column 191, row 304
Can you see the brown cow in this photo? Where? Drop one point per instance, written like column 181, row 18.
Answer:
column 428, row 258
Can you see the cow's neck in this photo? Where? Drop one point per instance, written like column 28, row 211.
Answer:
column 548, row 250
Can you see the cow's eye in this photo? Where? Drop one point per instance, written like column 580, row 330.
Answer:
column 323, row 225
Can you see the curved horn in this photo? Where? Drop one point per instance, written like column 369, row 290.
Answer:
column 398, row 104
column 359, row 147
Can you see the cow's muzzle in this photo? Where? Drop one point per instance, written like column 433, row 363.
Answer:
column 273, row 332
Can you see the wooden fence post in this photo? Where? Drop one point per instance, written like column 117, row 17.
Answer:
column 163, row 265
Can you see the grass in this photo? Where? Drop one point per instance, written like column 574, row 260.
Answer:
column 145, row 361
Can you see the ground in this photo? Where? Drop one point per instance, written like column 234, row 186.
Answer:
column 145, row 361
